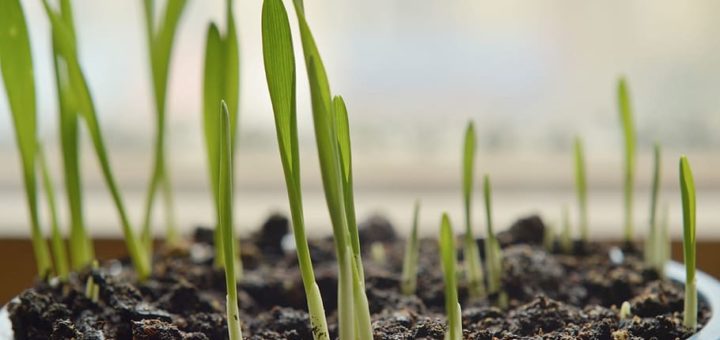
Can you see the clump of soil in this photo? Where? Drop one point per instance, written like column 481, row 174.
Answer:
column 551, row 295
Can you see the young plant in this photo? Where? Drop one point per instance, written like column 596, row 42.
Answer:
column 221, row 82
column 654, row 247
column 625, row 310
column 66, row 48
column 353, row 310
column 549, row 238
column 225, row 199
column 628, row 127
column 687, row 189
column 280, row 74
column 566, row 235
column 408, row 282
column 160, row 42
column 81, row 247
column 447, row 254
column 58, row 242
column 473, row 265
column 16, row 67
column 493, row 253
column 581, row 189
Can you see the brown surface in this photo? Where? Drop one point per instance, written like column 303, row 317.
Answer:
column 18, row 268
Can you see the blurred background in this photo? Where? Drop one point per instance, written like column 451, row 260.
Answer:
column 532, row 75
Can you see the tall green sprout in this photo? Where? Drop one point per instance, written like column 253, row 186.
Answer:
column 447, row 254
column 654, row 247
column 225, row 204
column 628, row 127
column 473, row 266
column 581, row 188
column 353, row 311
column 17, row 73
column 160, row 40
column 81, row 247
column 57, row 241
column 408, row 282
column 493, row 254
column 221, row 82
column 66, row 45
column 281, row 79
column 687, row 189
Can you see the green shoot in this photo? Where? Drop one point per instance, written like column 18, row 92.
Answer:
column 92, row 290
column 447, row 254
column 473, row 266
column 58, row 243
column 581, row 189
column 408, row 282
column 566, row 235
column 493, row 253
column 628, row 127
column 625, row 310
column 663, row 241
column 549, row 238
column 67, row 50
column 81, row 248
column 687, row 188
column 225, row 199
column 654, row 244
column 160, row 43
column 280, row 73
column 221, row 82
column 353, row 311
column 17, row 72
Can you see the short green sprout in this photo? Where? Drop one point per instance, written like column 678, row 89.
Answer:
column 280, row 73
column 408, row 282
column 221, row 82
column 160, row 40
column 225, row 203
column 493, row 253
column 66, row 44
column 447, row 254
column 57, row 244
column 566, row 244
column 626, row 120
column 687, row 189
column 625, row 310
column 655, row 243
column 473, row 266
column 16, row 67
column 333, row 151
column 581, row 189
column 92, row 289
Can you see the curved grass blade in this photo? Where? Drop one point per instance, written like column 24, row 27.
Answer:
column 17, row 73
column 628, row 127
column 687, row 189
column 447, row 254
column 474, row 269
column 58, row 243
column 281, row 79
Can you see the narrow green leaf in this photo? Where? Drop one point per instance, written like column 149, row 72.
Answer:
column 581, row 188
column 628, row 127
column 687, row 189
column 17, row 73
column 58, row 242
column 653, row 244
column 408, row 283
column 566, row 236
column 492, row 247
column 468, row 175
column 447, row 253
column 212, row 94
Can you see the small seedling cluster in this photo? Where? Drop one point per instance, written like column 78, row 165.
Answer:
column 332, row 133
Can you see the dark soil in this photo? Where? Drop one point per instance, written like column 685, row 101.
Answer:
column 551, row 295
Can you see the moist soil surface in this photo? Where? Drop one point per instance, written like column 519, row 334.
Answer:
column 550, row 295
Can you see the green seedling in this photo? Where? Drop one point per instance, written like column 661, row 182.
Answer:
column 626, row 120
column 160, row 40
column 66, row 49
column 493, row 253
column 353, row 310
column 408, row 282
column 687, row 189
column 58, row 242
column 281, row 79
column 549, row 238
column 92, row 289
column 566, row 235
column 221, row 82
column 225, row 204
column 654, row 248
column 581, row 189
column 447, row 254
column 625, row 310
column 473, row 265
column 17, row 72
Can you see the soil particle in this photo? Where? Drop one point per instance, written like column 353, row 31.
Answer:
column 376, row 229
column 528, row 230
column 269, row 238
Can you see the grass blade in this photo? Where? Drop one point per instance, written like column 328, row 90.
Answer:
column 687, row 189
column 408, row 283
column 473, row 265
column 581, row 189
column 447, row 254
column 17, row 73
column 654, row 244
column 58, row 243
column 493, row 253
column 628, row 127
column 280, row 73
